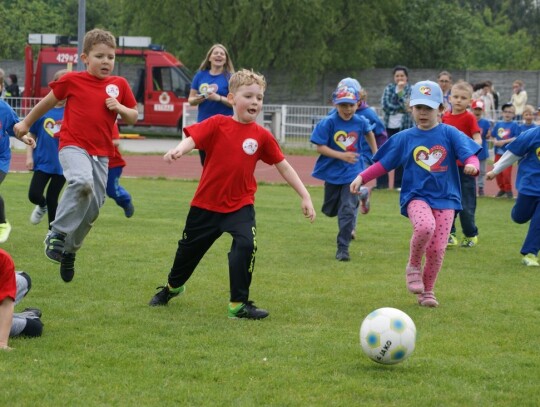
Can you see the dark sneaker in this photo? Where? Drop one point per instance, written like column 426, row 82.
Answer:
column 67, row 267
column 36, row 312
column 500, row 194
column 343, row 255
column 247, row 310
column 129, row 210
column 54, row 246
column 165, row 294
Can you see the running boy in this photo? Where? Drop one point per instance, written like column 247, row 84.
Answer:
column 94, row 100
column 465, row 121
column 430, row 192
column 225, row 196
column 526, row 148
column 504, row 132
column 338, row 138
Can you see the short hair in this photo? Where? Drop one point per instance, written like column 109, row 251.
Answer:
column 508, row 105
column 529, row 109
column 464, row 86
column 246, row 77
column 444, row 73
column 98, row 36
column 400, row 68
column 518, row 82
column 206, row 65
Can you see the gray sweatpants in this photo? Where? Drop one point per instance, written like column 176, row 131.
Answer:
column 86, row 180
column 20, row 318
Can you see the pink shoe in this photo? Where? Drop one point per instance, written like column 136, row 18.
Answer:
column 427, row 299
column 414, row 280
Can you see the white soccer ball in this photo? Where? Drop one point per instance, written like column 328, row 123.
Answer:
column 388, row 336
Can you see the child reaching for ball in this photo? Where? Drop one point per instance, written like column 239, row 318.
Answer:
column 430, row 190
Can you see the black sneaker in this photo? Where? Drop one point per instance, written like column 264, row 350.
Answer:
column 165, row 294
column 54, row 246
column 247, row 310
column 36, row 312
column 67, row 266
column 129, row 210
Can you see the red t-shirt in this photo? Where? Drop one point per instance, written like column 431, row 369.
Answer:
column 232, row 151
column 116, row 159
column 466, row 122
column 88, row 123
column 8, row 280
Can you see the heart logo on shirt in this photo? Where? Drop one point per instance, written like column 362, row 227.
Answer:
column 208, row 88
column 346, row 141
column 52, row 127
column 430, row 159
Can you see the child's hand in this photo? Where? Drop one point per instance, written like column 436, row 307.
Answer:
column 20, row 129
column 350, row 157
column 490, row 175
column 172, row 155
column 113, row 104
column 30, row 164
column 355, row 185
column 29, row 141
column 470, row 170
column 308, row 210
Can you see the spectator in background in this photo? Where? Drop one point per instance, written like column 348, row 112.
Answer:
column 397, row 116
column 210, row 86
column 519, row 98
column 12, row 90
column 445, row 82
column 482, row 91
column 496, row 96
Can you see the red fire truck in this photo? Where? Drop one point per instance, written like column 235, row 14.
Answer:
column 160, row 82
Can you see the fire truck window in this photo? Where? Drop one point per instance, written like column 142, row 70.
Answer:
column 48, row 72
column 171, row 79
column 157, row 79
column 138, row 90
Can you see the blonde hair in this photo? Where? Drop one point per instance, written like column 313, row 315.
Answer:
column 59, row 73
column 463, row 86
column 246, row 77
column 529, row 109
column 206, row 64
column 98, row 36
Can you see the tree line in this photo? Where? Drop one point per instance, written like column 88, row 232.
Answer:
column 304, row 37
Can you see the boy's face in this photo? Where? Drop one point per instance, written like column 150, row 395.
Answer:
column 346, row 110
column 425, row 117
column 460, row 100
column 508, row 114
column 444, row 82
column 478, row 113
column 99, row 61
column 528, row 117
column 247, row 102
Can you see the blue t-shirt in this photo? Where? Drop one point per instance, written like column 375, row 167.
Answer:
column 504, row 131
column 204, row 81
column 340, row 135
column 428, row 157
column 525, row 127
column 8, row 118
column 46, row 129
column 484, row 125
column 527, row 146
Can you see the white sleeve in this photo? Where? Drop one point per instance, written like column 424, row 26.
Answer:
column 507, row 159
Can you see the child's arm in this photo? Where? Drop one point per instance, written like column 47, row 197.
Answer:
column 477, row 137
column 21, row 128
column 347, row 156
column 290, row 175
column 129, row 115
column 507, row 159
column 370, row 173
column 184, row 147
column 30, row 154
column 7, row 306
column 471, row 165
column 372, row 143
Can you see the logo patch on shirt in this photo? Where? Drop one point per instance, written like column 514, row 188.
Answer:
column 250, row 146
column 112, row 91
column 346, row 141
column 52, row 127
column 430, row 159
column 503, row 133
column 206, row 88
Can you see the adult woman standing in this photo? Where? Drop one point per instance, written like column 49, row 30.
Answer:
column 210, row 86
column 397, row 116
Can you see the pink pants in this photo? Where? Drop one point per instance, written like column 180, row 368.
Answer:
column 431, row 228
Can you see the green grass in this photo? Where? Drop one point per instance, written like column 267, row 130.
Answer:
column 103, row 346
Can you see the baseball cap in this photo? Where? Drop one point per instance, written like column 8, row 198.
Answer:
column 426, row 93
column 345, row 94
column 477, row 104
column 351, row 82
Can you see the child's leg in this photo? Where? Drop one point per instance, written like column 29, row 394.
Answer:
column 348, row 204
column 528, row 208
column 468, row 201
column 2, row 205
column 482, row 175
column 437, row 246
column 241, row 226
column 37, row 187
column 423, row 223
column 507, row 179
column 500, row 177
column 114, row 189
column 53, row 193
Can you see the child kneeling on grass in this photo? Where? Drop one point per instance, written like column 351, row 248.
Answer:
column 430, row 190
column 526, row 148
column 225, row 196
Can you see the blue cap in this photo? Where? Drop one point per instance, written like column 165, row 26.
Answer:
column 345, row 94
column 427, row 93
column 351, row 82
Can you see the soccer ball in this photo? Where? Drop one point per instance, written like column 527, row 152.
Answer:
column 388, row 336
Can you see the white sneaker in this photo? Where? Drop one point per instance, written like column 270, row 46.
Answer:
column 530, row 260
column 5, row 230
column 37, row 214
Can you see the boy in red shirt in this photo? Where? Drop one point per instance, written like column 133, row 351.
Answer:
column 225, row 196
column 465, row 121
column 94, row 100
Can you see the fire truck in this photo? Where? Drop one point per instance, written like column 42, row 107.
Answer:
column 160, row 82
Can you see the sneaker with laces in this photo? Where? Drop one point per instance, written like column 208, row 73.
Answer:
column 54, row 246
column 37, row 214
column 247, row 310
column 452, row 240
column 67, row 266
column 469, row 241
column 165, row 294
column 427, row 299
column 413, row 276
column 5, row 230
column 530, row 260
column 364, row 200
column 129, row 210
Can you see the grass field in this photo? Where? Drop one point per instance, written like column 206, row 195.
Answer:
column 103, row 345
